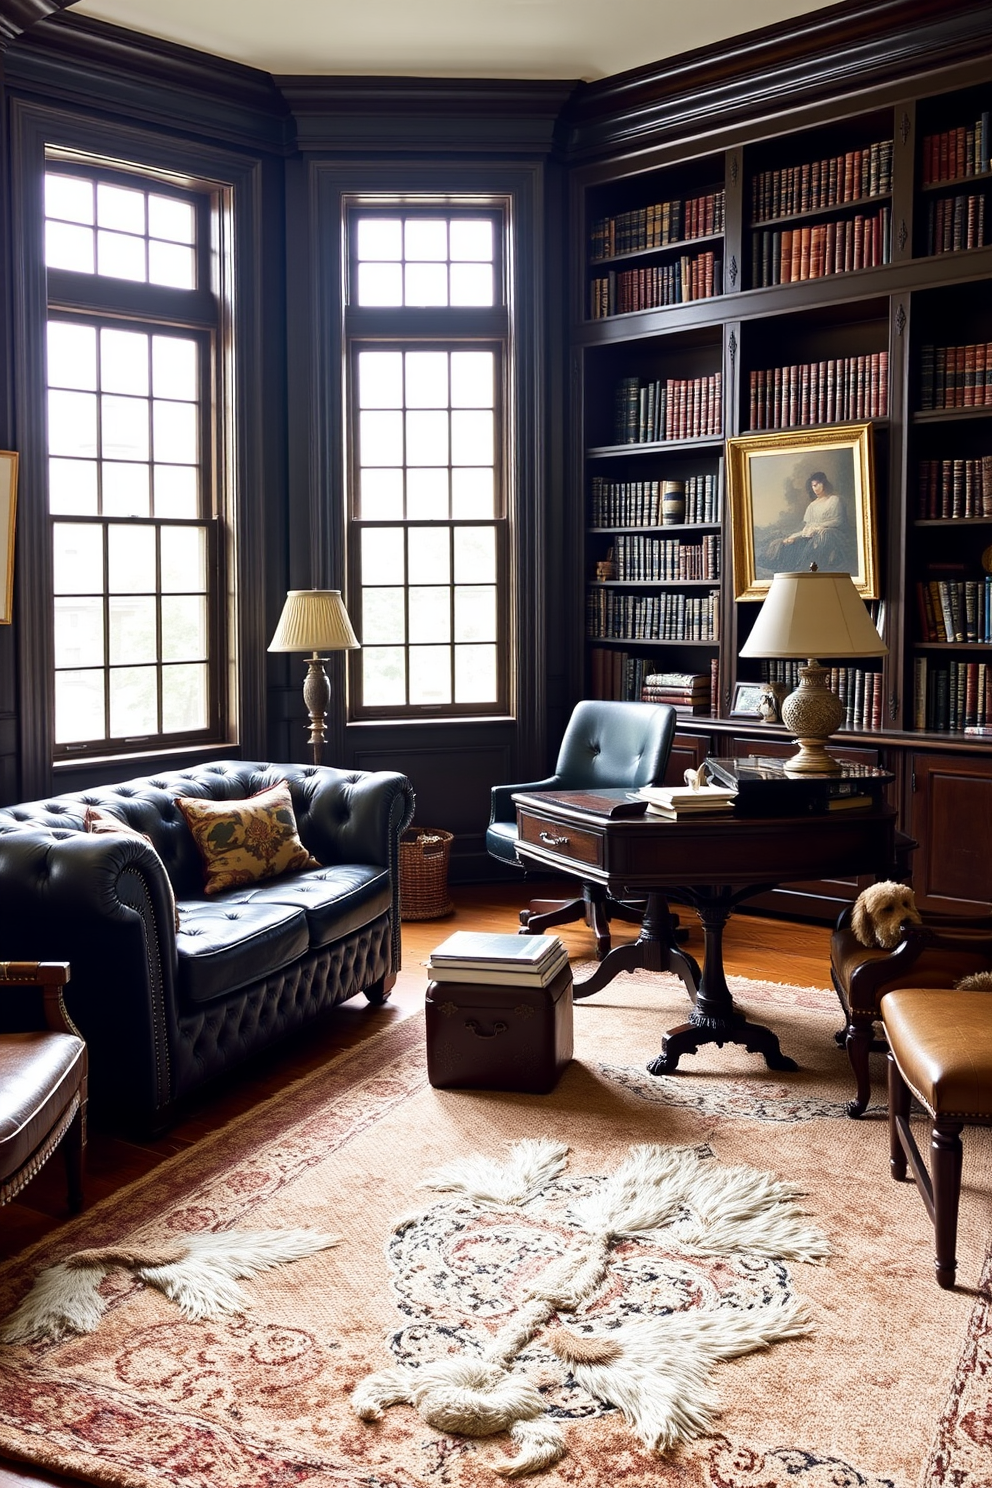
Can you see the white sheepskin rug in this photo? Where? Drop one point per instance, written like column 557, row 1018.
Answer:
column 200, row 1273
column 591, row 1310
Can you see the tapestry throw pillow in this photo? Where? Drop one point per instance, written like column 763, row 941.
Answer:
column 96, row 820
column 244, row 841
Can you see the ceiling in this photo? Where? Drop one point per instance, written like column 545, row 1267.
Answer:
column 585, row 39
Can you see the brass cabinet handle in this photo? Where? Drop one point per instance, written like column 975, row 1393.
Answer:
column 553, row 841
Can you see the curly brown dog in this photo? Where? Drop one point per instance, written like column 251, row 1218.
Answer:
column 880, row 911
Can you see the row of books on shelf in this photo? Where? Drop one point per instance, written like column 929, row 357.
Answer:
column 692, row 277
column 639, row 503
column 788, row 255
column 668, row 408
column 955, row 222
column 666, row 559
column 955, row 609
column 827, row 392
column 617, row 674
column 955, row 488
column 659, row 225
column 485, row 959
column 819, row 185
column 953, row 153
column 956, row 376
column 951, row 696
column 668, row 616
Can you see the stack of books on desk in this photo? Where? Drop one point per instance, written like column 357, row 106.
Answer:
column 499, row 960
column 680, row 801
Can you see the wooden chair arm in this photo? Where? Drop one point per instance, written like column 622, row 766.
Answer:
column 50, row 977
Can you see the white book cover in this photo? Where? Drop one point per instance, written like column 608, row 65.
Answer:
column 498, row 976
column 476, row 947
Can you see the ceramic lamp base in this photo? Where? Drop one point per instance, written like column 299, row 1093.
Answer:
column 812, row 713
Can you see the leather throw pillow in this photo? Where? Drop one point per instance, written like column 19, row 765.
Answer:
column 96, row 820
column 242, row 842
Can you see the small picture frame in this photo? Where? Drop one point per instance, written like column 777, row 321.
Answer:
column 802, row 496
column 8, row 508
column 746, row 700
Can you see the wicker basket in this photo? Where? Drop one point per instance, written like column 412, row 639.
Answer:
column 424, row 855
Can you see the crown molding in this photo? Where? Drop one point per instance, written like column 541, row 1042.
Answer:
column 73, row 59
column 503, row 116
column 18, row 16
column 818, row 56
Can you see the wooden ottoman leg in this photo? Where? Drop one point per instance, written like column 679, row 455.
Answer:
column 899, row 1099
column 945, row 1168
column 74, row 1144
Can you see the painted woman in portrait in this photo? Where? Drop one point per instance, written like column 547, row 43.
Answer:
column 825, row 537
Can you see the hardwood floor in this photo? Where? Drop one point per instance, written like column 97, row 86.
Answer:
column 755, row 946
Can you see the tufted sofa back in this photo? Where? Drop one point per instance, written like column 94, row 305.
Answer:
column 328, row 805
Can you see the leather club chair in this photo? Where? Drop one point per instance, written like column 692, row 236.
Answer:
column 606, row 745
column 937, row 953
column 42, row 1078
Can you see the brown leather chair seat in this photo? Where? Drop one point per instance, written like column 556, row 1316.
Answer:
column 940, row 1050
column 42, row 1085
column 936, row 954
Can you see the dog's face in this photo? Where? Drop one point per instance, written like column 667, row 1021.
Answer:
column 880, row 911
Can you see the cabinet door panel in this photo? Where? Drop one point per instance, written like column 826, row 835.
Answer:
column 688, row 753
column 952, row 822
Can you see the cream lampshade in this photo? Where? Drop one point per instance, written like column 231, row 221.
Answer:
column 315, row 620
column 806, row 615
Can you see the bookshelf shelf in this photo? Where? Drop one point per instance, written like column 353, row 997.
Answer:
column 654, row 447
column 838, row 209
column 652, row 583
column 639, row 255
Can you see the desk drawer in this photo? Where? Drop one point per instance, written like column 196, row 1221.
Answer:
column 563, row 840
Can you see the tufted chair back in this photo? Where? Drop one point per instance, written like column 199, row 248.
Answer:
column 605, row 744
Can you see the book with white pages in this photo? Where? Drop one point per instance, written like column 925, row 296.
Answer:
column 467, row 948
column 683, row 813
column 685, row 798
column 500, row 976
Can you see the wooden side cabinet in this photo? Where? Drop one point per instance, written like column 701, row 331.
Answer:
column 951, row 816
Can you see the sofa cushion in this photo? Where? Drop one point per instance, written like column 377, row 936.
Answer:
column 226, row 946
column 244, row 841
column 39, row 1075
column 335, row 900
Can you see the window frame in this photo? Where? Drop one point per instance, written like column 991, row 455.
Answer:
column 427, row 328
column 90, row 298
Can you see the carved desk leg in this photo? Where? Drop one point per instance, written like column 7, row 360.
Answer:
column 655, row 949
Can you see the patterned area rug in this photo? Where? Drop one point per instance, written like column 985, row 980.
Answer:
column 890, row 1388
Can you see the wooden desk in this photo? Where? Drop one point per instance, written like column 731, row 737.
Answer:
column 711, row 863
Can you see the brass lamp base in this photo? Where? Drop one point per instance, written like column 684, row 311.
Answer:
column 812, row 713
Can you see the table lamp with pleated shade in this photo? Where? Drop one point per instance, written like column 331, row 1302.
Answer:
column 315, row 620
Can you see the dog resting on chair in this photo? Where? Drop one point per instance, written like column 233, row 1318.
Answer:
column 880, row 911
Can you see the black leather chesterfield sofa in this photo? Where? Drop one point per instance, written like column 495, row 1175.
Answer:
column 165, row 1012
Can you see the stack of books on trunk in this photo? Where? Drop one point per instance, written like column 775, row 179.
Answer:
column 678, row 802
column 687, row 692
column 499, row 960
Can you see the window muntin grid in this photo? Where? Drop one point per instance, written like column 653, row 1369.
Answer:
column 418, row 260
column 428, row 517
column 119, row 231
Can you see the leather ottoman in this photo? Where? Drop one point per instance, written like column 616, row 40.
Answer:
column 485, row 1037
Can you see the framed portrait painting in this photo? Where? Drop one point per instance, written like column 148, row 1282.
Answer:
column 803, row 496
column 8, row 507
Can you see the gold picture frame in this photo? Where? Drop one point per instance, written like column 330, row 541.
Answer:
column 775, row 498
column 8, row 508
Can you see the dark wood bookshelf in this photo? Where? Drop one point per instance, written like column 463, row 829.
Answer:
column 914, row 299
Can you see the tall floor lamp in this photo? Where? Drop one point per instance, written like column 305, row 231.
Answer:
column 315, row 620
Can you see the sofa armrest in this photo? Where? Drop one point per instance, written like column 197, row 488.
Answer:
column 102, row 904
